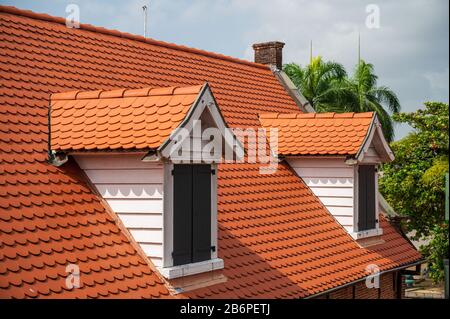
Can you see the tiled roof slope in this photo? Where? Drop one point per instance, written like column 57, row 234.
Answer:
column 271, row 226
column 118, row 119
column 278, row 241
column 319, row 133
column 49, row 218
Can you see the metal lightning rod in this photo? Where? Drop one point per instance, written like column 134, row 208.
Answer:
column 144, row 9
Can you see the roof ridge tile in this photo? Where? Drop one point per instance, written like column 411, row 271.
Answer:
column 326, row 115
column 287, row 116
column 87, row 95
column 344, row 115
column 162, row 91
column 306, row 115
column 123, row 93
column 272, row 115
column 89, row 27
column 364, row 114
column 136, row 92
column 112, row 94
column 187, row 90
column 69, row 95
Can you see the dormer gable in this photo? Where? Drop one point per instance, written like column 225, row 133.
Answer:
column 337, row 155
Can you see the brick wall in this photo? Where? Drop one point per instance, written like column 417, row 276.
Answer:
column 343, row 293
column 403, row 286
column 362, row 292
column 390, row 283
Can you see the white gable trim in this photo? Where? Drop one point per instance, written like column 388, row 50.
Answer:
column 205, row 100
column 375, row 137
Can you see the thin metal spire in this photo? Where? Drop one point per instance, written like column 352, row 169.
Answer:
column 359, row 47
column 144, row 9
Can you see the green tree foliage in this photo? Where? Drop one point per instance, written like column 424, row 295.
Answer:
column 367, row 96
column 436, row 251
column 327, row 88
column 320, row 82
column 414, row 183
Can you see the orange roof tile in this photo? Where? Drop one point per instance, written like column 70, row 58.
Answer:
column 278, row 241
column 319, row 133
column 118, row 119
column 49, row 219
column 276, row 238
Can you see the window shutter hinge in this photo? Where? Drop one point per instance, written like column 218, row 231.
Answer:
column 213, row 248
column 213, row 171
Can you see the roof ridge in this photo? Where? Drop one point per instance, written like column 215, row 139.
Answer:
column 120, row 34
column 325, row 115
column 122, row 93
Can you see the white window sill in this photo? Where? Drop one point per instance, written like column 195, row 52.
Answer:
column 191, row 269
column 367, row 233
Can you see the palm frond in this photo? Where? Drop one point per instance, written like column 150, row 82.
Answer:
column 385, row 119
column 388, row 97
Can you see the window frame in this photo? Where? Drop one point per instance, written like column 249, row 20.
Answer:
column 192, row 213
column 168, row 217
column 358, row 234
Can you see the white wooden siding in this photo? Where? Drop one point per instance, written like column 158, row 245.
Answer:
column 134, row 191
column 196, row 142
column 331, row 180
column 371, row 156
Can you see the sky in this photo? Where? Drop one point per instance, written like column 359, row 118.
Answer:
column 406, row 40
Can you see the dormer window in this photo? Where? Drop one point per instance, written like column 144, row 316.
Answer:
column 367, row 205
column 190, row 220
column 161, row 187
column 192, row 213
column 336, row 155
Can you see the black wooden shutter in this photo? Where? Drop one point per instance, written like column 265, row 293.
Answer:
column 201, row 213
column 191, row 213
column 371, row 192
column 366, row 197
column 182, row 214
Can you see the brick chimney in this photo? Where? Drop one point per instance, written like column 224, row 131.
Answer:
column 269, row 53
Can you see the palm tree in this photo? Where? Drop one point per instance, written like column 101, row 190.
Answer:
column 368, row 97
column 320, row 83
column 328, row 89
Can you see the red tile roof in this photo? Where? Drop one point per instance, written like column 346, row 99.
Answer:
column 319, row 133
column 118, row 119
column 278, row 241
column 275, row 236
column 49, row 219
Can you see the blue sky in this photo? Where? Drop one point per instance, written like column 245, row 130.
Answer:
column 410, row 49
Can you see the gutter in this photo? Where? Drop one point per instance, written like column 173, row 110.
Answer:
column 421, row 261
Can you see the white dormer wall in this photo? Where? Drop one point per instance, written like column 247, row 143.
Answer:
column 332, row 181
column 335, row 183
column 134, row 190
column 195, row 143
column 371, row 156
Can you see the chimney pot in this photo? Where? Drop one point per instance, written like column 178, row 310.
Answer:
column 269, row 53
